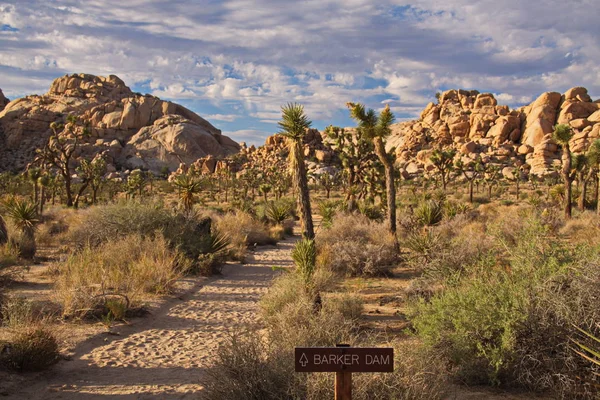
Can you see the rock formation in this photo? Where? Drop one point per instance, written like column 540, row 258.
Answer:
column 131, row 130
column 3, row 101
column 477, row 126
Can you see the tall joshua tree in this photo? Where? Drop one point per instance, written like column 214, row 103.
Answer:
column 562, row 135
column 294, row 124
column 60, row 149
column 377, row 127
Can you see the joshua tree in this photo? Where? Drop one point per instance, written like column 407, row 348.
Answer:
column 188, row 187
column 44, row 181
column 517, row 175
column 265, row 189
column 34, row 174
column 60, row 148
column 491, row 176
column 471, row 172
column 443, row 161
column 377, row 127
column 562, row 135
column 136, row 181
column 24, row 215
column 294, row 124
column 92, row 174
column 357, row 155
column 594, row 159
column 580, row 165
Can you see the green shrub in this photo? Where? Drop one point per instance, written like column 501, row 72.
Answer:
column 509, row 318
column 371, row 211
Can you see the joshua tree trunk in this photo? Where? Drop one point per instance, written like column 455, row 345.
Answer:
column 42, row 199
column 566, row 175
column 581, row 200
column 301, row 186
column 390, row 188
column 471, row 191
column 518, row 188
column 3, row 232
column 68, row 193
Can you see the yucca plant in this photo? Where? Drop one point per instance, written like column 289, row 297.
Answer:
column 188, row 187
column 304, row 255
column 591, row 354
column 429, row 213
column 25, row 217
column 327, row 210
column 277, row 212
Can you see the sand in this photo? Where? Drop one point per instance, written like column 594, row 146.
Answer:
column 165, row 355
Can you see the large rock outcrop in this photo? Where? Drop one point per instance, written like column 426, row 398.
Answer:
column 130, row 129
column 477, row 126
column 3, row 101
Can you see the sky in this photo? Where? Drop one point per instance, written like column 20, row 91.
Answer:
column 236, row 62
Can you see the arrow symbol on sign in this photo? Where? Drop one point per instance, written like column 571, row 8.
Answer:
column 303, row 360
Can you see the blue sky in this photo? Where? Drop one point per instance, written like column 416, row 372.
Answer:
column 235, row 62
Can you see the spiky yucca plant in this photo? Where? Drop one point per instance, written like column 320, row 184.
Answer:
column 24, row 215
column 188, row 187
column 304, row 255
column 277, row 212
column 591, row 354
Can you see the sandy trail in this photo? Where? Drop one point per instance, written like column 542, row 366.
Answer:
column 166, row 354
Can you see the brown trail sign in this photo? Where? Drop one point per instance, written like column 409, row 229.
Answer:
column 343, row 360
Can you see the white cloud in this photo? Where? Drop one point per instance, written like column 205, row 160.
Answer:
column 252, row 56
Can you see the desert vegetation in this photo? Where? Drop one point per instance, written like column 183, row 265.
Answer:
column 477, row 273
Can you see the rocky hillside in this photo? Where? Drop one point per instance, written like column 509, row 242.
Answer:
column 3, row 101
column 129, row 129
column 477, row 126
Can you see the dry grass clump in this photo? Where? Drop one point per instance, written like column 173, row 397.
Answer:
column 130, row 268
column 104, row 223
column 355, row 245
column 33, row 348
column 243, row 231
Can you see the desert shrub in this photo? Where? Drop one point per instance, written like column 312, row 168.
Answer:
column 327, row 210
column 130, row 267
column 261, row 367
column 359, row 246
column 510, row 321
column 31, row 349
column 195, row 237
column 371, row 211
column 429, row 212
column 243, row 231
column 103, row 223
column 16, row 312
column 9, row 259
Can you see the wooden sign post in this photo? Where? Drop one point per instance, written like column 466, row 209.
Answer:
column 344, row 360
